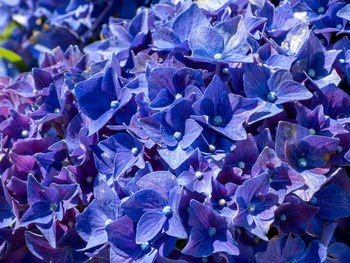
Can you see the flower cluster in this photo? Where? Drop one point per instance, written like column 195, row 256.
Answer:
column 204, row 131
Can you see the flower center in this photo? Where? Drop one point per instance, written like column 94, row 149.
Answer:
column 241, row 165
column 134, row 151
column 145, row 246
column 222, row 202
column 167, row 211
column 108, row 221
column 212, row 231
column 178, row 96
column 217, row 121
column 313, row 200
column 177, row 135
column 199, row 175
column 212, row 148
column 311, row 73
column 339, row 26
column 67, row 250
column 65, row 162
column 283, row 217
column 114, row 104
column 321, row 10
column 24, row 133
column 218, row 56
column 251, row 208
column 57, row 111
column 89, row 179
column 302, row 163
column 339, row 149
column 312, row 131
column 53, row 207
column 271, row 96
column 225, row 71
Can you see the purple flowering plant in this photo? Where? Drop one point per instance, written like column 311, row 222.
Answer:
column 174, row 131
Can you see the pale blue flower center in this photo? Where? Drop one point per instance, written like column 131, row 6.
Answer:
column 65, row 163
column 321, row 10
column 251, row 208
column 57, row 111
column 114, row 104
column 339, row 149
column 212, row 148
column 178, row 136
column 339, row 26
column 225, row 71
column 271, row 96
column 167, row 211
column 302, row 163
column 24, row 133
column 241, row 165
column 283, row 217
column 217, row 121
column 311, row 73
column 222, row 202
column 199, row 175
column 108, row 221
column 145, row 246
column 178, row 96
column 134, row 151
column 53, row 207
column 218, row 56
column 313, row 200
column 212, row 231
column 312, row 131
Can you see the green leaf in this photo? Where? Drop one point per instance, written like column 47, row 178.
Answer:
column 6, row 33
column 14, row 58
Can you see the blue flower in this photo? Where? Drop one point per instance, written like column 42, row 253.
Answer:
column 153, row 213
column 109, row 95
column 209, row 233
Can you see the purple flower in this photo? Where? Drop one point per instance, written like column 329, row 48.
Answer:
column 154, row 214
column 183, row 82
column 315, row 63
column 68, row 247
column 197, row 174
column 279, row 20
column 101, row 212
column 274, row 88
column 283, row 178
column 292, row 249
column 225, row 42
column 215, row 110
column 47, row 203
column 256, row 205
column 109, row 94
column 166, row 38
column 209, row 233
